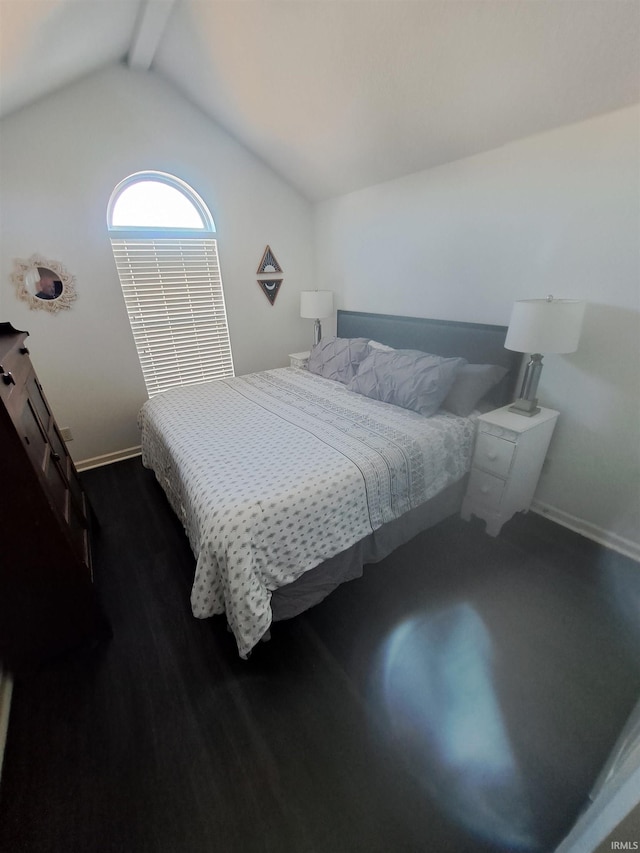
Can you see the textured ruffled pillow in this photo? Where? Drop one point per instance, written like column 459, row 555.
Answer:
column 472, row 382
column 338, row 358
column 409, row 378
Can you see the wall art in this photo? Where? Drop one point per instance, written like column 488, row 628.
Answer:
column 268, row 264
column 270, row 287
column 43, row 283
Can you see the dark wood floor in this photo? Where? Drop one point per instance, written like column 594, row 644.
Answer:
column 462, row 696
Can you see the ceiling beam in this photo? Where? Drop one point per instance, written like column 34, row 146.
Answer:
column 150, row 26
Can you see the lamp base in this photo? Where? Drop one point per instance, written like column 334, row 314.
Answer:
column 317, row 332
column 528, row 408
column 527, row 402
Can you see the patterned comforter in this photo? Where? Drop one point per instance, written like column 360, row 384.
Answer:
column 272, row 473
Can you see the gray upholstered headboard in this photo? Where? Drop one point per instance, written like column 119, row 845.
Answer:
column 477, row 342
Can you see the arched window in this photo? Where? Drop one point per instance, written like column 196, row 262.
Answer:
column 166, row 253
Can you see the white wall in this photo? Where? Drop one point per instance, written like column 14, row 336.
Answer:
column 556, row 213
column 59, row 161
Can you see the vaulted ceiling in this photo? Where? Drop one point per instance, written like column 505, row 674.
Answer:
column 336, row 95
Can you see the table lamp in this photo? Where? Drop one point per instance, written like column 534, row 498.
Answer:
column 315, row 304
column 541, row 326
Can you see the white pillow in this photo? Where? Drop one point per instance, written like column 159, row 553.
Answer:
column 378, row 345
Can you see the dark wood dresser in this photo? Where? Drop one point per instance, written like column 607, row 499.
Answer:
column 48, row 604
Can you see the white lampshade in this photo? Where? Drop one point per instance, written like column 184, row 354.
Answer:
column 315, row 304
column 545, row 325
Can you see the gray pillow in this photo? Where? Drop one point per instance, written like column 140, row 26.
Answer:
column 409, row 378
column 472, row 382
column 338, row 358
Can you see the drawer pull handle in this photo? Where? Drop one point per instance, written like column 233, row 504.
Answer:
column 55, row 456
column 485, row 490
column 493, row 455
column 8, row 379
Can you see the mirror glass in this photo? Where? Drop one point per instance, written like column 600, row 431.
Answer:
column 43, row 283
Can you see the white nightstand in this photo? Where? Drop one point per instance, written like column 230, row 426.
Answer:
column 509, row 453
column 299, row 359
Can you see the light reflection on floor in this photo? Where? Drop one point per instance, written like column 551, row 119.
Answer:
column 436, row 703
column 618, row 580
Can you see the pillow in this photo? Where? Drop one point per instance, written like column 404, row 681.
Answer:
column 472, row 382
column 378, row 345
column 409, row 378
column 338, row 358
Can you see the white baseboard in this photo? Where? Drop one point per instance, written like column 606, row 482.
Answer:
column 108, row 458
column 6, row 689
column 591, row 531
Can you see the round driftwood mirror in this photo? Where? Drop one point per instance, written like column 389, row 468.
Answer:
column 43, row 284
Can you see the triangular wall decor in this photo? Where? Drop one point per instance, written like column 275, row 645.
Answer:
column 270, row 287
column 268, row 263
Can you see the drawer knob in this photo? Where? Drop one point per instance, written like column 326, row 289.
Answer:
column 493, row 455
column 485, row 490
column 7, row 378
column 24, row 350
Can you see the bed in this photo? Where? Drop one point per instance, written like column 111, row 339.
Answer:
column 289, row 481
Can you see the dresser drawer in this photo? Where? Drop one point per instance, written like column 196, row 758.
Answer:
column 15, row 365
column 56, row 484
column 32, row 434
column 485, row 489
column 36, row 395
column 79, row 532
column 493, row 454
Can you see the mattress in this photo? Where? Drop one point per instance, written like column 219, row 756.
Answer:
column 275, row 472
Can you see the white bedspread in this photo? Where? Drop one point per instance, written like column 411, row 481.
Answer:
column 274, row 472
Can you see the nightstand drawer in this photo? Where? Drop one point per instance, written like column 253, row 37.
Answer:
column 493, row 454
column 497, row 430
column 485, row 489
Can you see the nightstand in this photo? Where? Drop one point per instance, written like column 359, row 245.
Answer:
column 507, row 460
column 299, row 359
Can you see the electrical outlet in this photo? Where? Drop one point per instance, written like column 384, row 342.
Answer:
column 65, row 432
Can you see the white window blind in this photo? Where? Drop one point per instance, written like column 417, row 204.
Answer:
column 173, row 293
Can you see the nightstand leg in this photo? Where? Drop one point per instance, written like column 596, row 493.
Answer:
column 493, row 527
